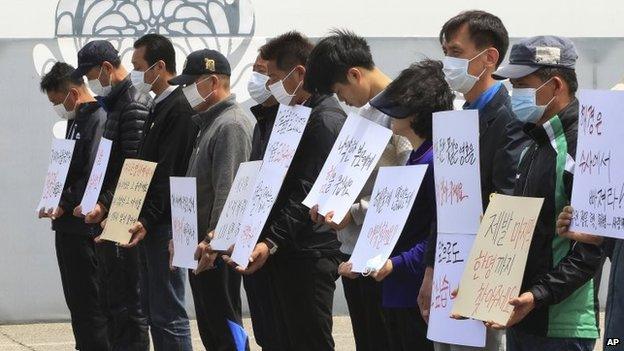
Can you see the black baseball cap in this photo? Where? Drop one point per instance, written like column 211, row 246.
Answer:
column 202, row 62
column 533, row 53
column 93, row 54
column 388, row 106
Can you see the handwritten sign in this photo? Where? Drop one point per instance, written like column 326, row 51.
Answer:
column 495, row 267
column 263, row 196
column 184, row 220
column 598, row 189
column 348, row 166
column 452, row 252
column 229, row 224
column 60, row 159
column 393, row 195
column 288, row 128
column 132, row 187
column 457, row 179
column 96, row 179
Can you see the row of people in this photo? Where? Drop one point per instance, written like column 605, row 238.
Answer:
column 194, row 127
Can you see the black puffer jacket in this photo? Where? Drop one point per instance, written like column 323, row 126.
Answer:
column 127, row 111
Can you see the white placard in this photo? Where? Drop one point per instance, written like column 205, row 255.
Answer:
column 352, row 159
column 184, row 220
column 228, row 227
column 452, row 251
column 391, row 202
column 96, row 179
column 457, row 174
column 263, row 196
column 288, row 128
column 60, row 160
column 598, row 190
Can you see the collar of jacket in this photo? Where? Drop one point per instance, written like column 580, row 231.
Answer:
column 86, row 109
column 116, row 91
column 202, row 119
column 264, row 113
column 544, row 134
column 490, row 111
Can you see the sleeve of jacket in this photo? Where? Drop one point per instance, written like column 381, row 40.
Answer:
column 132, row 121
column 232, row 147
column 286, row 222
column 75, row 176
column 572, row 272
column 410, row 261
column 432, row 242
column 507, row 156
column 178, row 137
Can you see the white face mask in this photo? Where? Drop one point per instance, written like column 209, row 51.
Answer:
column 96, row 86
column 279, row 91
column 456, row 73
column 524, row 104
column 138, row 80
column 257, row 87
column 192, row 94
column 62, row 111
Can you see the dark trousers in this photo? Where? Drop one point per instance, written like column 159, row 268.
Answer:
column 363, row 297
column 162, row 293
column 408, row 331
column 264, row 321
column 614, row 318
column 304, row 289
column 518, row 340
column 216, row 293
column 119, row 283
column 78, row 267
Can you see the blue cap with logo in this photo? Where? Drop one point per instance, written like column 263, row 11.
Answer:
column 533, row 53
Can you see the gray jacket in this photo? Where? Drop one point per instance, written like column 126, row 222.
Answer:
column 223, row 142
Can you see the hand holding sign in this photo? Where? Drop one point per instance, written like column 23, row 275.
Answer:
column 495, row 268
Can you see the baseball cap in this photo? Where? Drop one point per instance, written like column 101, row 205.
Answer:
column 93, row 54
column 202, row 62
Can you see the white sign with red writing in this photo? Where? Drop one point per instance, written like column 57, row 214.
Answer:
column 598, row 190
column 496, row 264
column 348, row 166
column 391, row 202
column 286, row 134
column 96, row 178
column 184, row 221
column 451, row 255
column 457, row 175
column 60, row 159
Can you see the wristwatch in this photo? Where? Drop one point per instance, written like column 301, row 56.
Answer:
column 272, row 246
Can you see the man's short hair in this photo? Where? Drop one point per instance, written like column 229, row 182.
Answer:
column 422, row 90
column 158, row 47
column 59, row 79
column 287, row 50
column 331, row 59
column 566, row 74
column 484, row 28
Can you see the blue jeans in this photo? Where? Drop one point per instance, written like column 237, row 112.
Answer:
column 614, row 317
column 520, row 341
column 162, row 294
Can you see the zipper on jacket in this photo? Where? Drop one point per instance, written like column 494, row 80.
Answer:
column 534, row 151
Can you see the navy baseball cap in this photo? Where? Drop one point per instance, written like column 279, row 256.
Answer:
column 202, row 62
column 93, row 54
column 383, row 103
column 533, row 53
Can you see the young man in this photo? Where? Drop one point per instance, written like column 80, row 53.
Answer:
column 127, row 110
column 258, row 285
column 342, row 63
column 558, row 305
column 75, row 249
column 410, row 100
column 475, row 43
column 305, row 255
column 223, row 143
column 168, row 140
